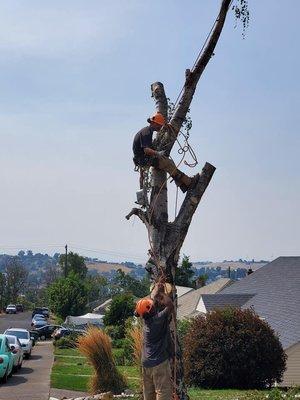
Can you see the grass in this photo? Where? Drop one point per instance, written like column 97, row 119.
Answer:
column 72, row 371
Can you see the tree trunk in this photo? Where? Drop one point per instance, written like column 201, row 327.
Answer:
column 166, row 238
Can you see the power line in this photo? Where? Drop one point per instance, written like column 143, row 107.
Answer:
column 74, row 246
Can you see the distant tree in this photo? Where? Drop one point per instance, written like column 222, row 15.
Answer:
column 232, row 348
column 67, row 296
column 97, row 288
column 123, row 282
column 51, row 273
column 21, row 254
column 184, row 273
column 16, row 279
column 29, row 253
column 200, row 281
column 2, row 290
column 121, row 308
column 75, row 264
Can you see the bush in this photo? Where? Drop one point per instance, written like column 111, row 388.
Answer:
column 121, row 308
column 231, row 348
column 67, row 342
column 116, row 332
column 182, row 328
column 96, row 346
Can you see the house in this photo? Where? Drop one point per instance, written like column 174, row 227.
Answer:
column 274, row 293
column 188, row 303
column 182, row 290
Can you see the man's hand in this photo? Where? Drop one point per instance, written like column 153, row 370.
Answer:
column 166, row 301
column 150, row 152
column 157, row 291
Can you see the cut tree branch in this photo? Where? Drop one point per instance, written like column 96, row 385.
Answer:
column 140, row 213
column 191, row 201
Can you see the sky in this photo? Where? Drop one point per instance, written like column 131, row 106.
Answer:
column 75, row 88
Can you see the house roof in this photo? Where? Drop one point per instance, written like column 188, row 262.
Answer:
column 277, row 296
column 182, row 290
column 187, row 304
column 212, row 301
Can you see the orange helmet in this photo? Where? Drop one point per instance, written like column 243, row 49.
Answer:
column 143, row 306
column 158, row 118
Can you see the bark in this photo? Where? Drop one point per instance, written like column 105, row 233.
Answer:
column 166, row 238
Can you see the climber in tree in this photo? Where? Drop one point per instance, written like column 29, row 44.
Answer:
column 145, row 156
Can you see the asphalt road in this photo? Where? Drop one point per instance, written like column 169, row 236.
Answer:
column 32, row 382
column 19, row 320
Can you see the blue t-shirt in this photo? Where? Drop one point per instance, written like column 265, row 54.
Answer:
column 156, row 339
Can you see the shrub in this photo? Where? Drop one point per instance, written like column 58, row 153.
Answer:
column 67, row 342
column 231, row 348
column 121, row 307
column 96, row 346
column 182, row 329
column 116, row 332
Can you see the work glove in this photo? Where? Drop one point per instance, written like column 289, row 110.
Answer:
column 160, row 153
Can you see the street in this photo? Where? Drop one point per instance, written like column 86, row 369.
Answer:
column 32, row 382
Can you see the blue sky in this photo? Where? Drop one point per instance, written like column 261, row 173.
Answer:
column 75, row 88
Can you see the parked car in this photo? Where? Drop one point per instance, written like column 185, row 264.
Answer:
column 37, row 310
column 37, row 317
column 46, row 332
column 38, row 322
column 20, row 307
column 42, row 311
column 17, row 351
column 46, row 312
column 24, row 337
column 62, row 332
column 34, row 337
column 11, row 309
column 6, row 359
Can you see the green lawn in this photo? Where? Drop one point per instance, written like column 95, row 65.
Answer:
column 72, row 371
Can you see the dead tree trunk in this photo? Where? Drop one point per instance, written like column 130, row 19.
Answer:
column 166, row 238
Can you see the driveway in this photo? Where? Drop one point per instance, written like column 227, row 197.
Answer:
column 32, row 382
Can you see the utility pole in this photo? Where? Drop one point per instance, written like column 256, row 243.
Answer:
column 66, row 260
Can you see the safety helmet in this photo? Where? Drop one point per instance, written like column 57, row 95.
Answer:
column 158, row 118
column 143, row 306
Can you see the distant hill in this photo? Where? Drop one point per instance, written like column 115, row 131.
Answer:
column 101, row 267
column 254, row 265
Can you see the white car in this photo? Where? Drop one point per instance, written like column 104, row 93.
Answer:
column 11, row 309
column 16, row 349
column 24, row 337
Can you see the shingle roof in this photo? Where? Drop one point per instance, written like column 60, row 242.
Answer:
column 277, row 299
column 182, row 290
column 188, row 302
column 212, row 301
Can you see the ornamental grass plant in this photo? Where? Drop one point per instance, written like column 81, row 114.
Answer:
column 96, row 346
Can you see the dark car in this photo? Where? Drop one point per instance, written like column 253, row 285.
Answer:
column 45, row 332
column 34, row 337
column 20, row 307
column 45, row 311
column 37, row 310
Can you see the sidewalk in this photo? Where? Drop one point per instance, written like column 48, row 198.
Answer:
column 32, row 382
column 63, row 393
